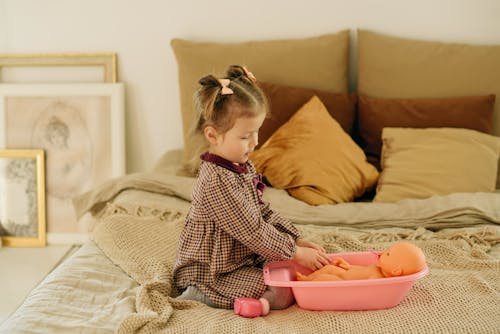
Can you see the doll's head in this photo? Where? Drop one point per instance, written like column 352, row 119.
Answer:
column 403, row 258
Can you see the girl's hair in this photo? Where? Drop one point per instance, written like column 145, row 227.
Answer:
column 220, row 102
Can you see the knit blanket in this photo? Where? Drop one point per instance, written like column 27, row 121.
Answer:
column 459, row 295
column 436, row 212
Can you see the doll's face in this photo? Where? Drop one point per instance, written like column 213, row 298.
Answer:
column 389, row 263
column 402, row 258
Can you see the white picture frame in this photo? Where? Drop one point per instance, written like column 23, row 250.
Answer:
column 81, row 129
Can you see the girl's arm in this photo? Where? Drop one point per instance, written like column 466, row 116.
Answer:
column 229, row 206
column 281, row 223
column 268, row 214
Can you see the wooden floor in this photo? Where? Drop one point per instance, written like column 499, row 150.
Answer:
column 21, row 269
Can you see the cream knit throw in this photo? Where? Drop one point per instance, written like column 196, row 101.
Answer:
column 461, row 293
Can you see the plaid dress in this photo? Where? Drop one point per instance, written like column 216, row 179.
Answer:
column 229, row 233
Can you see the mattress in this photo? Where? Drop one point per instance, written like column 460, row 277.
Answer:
column 120, row 281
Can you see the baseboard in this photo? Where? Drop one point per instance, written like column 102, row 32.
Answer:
column 66, row 238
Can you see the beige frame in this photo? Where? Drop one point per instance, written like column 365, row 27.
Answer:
column 40, row 239
column 106, row 60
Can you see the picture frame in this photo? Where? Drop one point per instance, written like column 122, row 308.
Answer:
column 107, row 61
column 81, row 129
column 22, row 205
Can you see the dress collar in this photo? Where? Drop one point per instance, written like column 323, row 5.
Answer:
column 220, row 161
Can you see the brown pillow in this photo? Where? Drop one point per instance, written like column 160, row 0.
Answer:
column 374, row 114
column 318, row 62
column 391, row 66
column 285, row 100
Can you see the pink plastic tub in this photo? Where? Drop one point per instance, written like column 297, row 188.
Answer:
column 367, row 294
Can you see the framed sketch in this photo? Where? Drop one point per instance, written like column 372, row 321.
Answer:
column 104, row 61
column 81, row 129
column 22, row 203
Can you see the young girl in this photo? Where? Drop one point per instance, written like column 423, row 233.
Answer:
column 229, row 231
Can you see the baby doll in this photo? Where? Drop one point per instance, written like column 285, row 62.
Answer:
column 403, row 258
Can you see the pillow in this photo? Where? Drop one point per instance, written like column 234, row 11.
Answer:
column 285, row 100
column 314, row 159
column 406, row 68
column 316, row 62
column 420, row 163
column 374, row 114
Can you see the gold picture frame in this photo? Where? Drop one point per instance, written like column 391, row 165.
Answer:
column 22, row 205
column 105, row 60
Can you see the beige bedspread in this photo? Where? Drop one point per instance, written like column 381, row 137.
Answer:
column 456, row 232
column 436, row 212
column 460, row 294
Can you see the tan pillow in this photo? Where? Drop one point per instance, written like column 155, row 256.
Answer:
column 317, row 62
column 420, row 163
column 314, row 159
column 285, row 100
column 374, row 114
column 396, row 67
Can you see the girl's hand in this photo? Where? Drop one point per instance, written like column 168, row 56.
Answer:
column 311, row 258
column 305, row 243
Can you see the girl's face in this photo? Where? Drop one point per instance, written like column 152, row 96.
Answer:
column 236, row 144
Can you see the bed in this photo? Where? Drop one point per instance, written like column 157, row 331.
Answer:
column 408, row 92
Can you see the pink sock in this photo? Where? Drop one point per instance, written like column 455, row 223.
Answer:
column 250, row 307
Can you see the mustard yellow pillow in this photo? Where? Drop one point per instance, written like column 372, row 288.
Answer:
column 318, row 62
column 420, row 163
column 314, row 159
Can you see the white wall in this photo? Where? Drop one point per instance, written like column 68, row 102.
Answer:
column 3, row 27
column 140, row 31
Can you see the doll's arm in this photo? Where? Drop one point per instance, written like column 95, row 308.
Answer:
column 340, row 269
column 340, row 262
column 331, row 272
